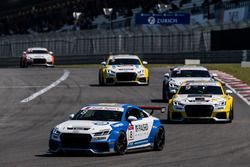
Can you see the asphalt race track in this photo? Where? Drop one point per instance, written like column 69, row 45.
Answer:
column 25, row 127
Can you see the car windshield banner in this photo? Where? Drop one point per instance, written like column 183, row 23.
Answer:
column 162, row 19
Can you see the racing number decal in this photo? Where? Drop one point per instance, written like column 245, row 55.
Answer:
column 130, row 132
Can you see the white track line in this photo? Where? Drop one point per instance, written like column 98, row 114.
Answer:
column 54, row 84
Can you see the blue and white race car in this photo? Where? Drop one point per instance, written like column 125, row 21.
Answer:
column 106, row 128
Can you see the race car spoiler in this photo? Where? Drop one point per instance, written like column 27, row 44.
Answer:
column 153, row 108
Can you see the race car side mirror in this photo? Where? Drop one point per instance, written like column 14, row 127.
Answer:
column 145, row 62
column 71, row 116
column 163, row 109
column 173, row 91
column 166, row 75
column 51, row 53
column 103, row 63
column 214, row 75
column 132, row 118
column 229, row 91
column 24, row 52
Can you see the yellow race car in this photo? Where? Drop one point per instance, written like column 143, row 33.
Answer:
column 123, row 69
column 201, row 100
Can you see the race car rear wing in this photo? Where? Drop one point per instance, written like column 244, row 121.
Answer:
column 153, row 108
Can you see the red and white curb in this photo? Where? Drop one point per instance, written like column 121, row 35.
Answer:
column 237, row 86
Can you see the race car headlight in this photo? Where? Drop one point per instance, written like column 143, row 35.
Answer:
column 29, row 58
column 49, row 59
column 141, row 72
column 178, row 105
column 102, row 135
column 173, row 85
column 220, row 104
column 55, row 134
column 110, row 72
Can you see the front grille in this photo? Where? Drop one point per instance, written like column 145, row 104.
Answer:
column 39, row 61
column 69, row 140
column 126, row 76
column 199, row 110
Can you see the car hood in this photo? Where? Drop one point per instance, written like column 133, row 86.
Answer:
column 200, row 99
column 179, row 80
column 125, row 68
column 73, row 126
column 38, row 56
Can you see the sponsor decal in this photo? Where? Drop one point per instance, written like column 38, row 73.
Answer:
column 151, row 20
column 162, row 19
column 103, row 108
column 130, row 132
column 141, row 128
column 101, row 123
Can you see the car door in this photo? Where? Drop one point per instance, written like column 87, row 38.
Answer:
column 138, row 131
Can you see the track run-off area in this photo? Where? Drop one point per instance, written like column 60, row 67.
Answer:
column 25, row 125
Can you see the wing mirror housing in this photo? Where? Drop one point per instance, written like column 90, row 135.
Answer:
column 214, row 75
column 71, row 116
column 166, row 75
column 24, row 52
column 144, row 62
column 51, row 53
column 173, row 91
column 163, row 109
column 103, row 63
column 132, row 118
column 229, row 91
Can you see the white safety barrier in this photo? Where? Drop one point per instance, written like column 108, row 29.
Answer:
column 245, row 64
column 192, row 61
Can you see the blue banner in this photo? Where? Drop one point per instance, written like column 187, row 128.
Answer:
column 163, row 19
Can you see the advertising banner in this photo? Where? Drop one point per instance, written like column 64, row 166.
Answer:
column 235, row 15
column 162, row 19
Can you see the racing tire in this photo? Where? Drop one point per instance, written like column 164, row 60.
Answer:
column 121, row 143
column 25, row 64
column 21, row 63
column 147, row 83
column 100, row 79
column 231, row 115
column 159, row 139
column 164, row 95
column 168, row 118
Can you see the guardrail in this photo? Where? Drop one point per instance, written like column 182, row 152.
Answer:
column 156, row 58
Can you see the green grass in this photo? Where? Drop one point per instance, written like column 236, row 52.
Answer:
column 235, row 69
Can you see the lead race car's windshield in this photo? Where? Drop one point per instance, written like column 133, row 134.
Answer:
column 190, row 73
column 98, row 115
column 124, row 62
column 38, row 52
column 215, row 90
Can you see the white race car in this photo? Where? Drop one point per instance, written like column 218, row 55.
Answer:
column 179, row 74
column 37, row 56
